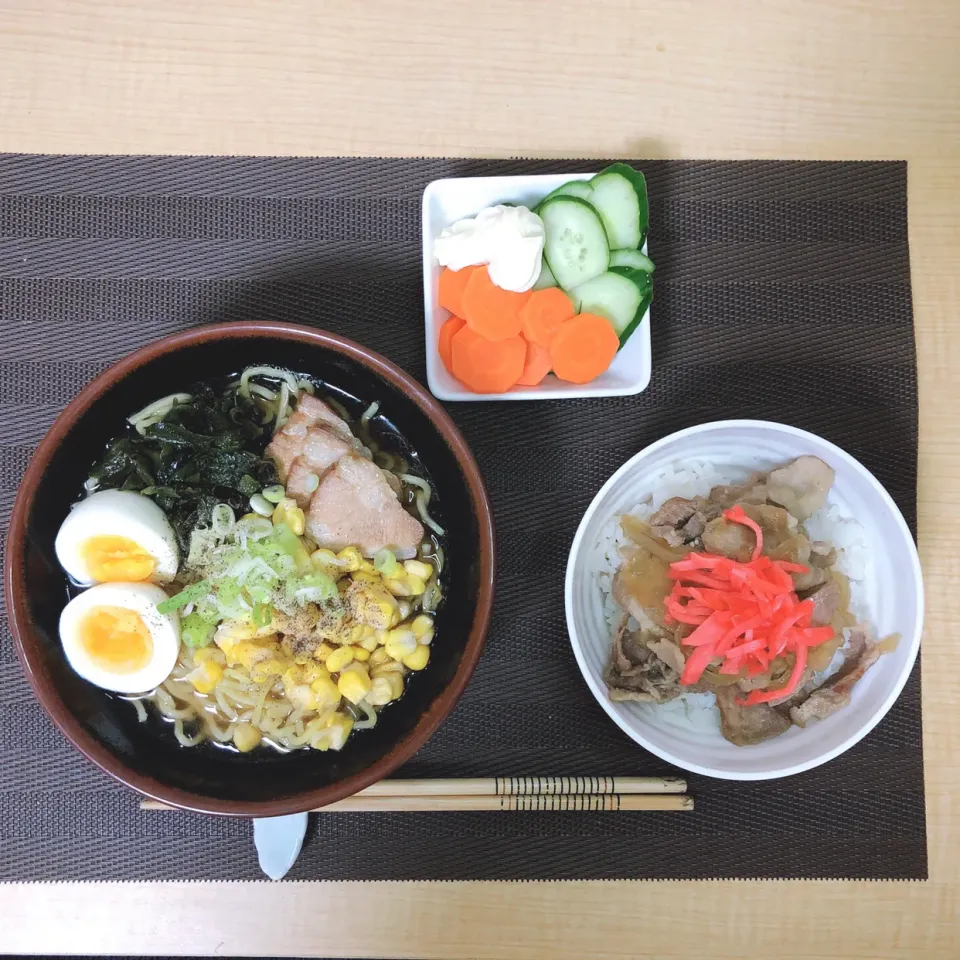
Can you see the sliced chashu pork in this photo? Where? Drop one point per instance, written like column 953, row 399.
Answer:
column 308, row 445
column 354, row 505
column 349, row 500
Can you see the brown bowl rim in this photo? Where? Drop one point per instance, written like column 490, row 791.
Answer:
column 16, row 588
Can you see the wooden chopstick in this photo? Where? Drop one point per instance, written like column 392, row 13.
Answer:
column 509, row 786
column 522, row 786
column 509, row 793
column 360, row 803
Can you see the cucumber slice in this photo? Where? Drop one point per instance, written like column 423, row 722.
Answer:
column 620, row 197
column 631, row 258
column 622, row 295
column 546, row 278
column 576, row 244
column 572, row 188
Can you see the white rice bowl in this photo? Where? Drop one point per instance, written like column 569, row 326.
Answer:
column 875, row 550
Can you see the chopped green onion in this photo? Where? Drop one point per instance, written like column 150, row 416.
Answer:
column 291, row 545
column 262, row 614
column 208, row 611
column 230, row 598
column 193, row 593
column 314, row 587
column 222, row 519
column 274, row 493
column 260, row 504
column 255, row 528
column 196, row 631
column 259, row 593
column 385, row 563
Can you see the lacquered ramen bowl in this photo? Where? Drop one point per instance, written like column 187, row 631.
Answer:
column 889, row 595
column 146, row 756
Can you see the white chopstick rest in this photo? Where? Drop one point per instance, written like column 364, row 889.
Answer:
column 278, row 841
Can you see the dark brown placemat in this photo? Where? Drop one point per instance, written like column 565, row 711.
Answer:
column 783, row 293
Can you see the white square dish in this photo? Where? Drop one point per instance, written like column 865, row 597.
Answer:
column 457, row 197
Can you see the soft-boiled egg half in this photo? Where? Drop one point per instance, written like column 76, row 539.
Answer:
column 117, row 536
column 113, row 636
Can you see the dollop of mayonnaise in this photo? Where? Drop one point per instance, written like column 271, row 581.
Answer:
column 508, row 239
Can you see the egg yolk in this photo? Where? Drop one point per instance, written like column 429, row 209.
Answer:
column 116, row 639
column 115, row 559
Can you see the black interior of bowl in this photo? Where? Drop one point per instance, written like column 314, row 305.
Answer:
column 150, row 748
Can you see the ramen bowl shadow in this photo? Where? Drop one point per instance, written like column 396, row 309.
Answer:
column 146, row 756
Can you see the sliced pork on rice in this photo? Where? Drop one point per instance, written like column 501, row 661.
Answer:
column 648, row 653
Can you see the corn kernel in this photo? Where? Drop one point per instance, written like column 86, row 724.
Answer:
column 418, row 659
column 379, row 694
column 354, row 683
column 405, row 609
column 350, row 559
column 206, row 676
column 386, row 669
column 421, row 625
column 325, row 559
column 297, row 521
column 382, row 636
column 396, row 684
column 363, row 577
column 400, row 643
column 325, row 691
column 370, row 604
column 323, row 651
column 287, row 511
column 337, row 731
column 361, row 655
column 264, row 669
column 367, row 567
column 311, row 672
column 207, row 653
column 416, row 585
column 385, row 688
column 369, row 644
column 417, row 568
column 398, row 588
column 379, row 656
column 248, row 653
column 301, row 696
column 426, row 639
column 245, row 737
column 339, row 659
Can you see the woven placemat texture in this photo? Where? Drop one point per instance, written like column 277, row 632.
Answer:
column 782, row 293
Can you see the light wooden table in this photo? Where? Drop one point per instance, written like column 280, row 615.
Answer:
column 833, row 79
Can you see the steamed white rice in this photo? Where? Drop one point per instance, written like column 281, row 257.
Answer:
column 834, row 523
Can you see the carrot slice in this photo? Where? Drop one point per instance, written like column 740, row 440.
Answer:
column 452, row 283
column 583, row 348
column 487, row 366
column 453, row 326
column 543, row 313
column 489, row 310
column 537, row 365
